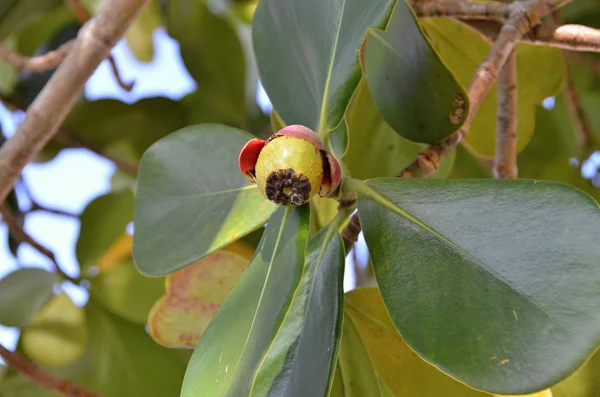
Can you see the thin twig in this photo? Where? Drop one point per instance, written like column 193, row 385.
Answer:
column 47, row 61
column 68, row 139
column 567, row 37
column 45, row 379
column 460, row 9
column 52, row 105
column 83, row 16
column 505, row 164
column 19, row 233
column 523, row 15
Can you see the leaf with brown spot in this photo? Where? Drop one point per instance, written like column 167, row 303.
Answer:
column 194, row 294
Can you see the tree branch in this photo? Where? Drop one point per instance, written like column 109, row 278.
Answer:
column 460, row 9
column 48, row 381
column 505, row 164
column 567, row 37
column 523, row 16
column 41, row 63
column 83, row 16
column 21, row 235
column 50, row 108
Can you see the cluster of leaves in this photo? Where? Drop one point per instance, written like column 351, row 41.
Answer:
column 490, row 284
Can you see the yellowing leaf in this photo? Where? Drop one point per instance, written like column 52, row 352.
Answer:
column 543, row 393
column 58, row 333
column 194, row 294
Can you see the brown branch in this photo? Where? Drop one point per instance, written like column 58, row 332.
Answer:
column 50, row 108
column 49, row 60
column 45, row 379
column 567, row 37
column 69, row 140
column 582, row 123
column 505, row 164
column 463, row 9
column 523, row 15
column 21, row 235
column 83, row 16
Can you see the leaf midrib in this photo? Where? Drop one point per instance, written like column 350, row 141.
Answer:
column 324, row 105
column 379, row 198
column 264, row 287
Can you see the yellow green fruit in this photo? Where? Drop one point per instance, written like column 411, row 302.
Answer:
column 289, row 170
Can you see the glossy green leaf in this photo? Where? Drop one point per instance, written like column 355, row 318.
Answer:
column 338, row 139
column 22, row 293
column 192, row 198
column 102, row 222
column 541, row 74
column 375, row 149
column 583, row 383
column 217, row 66
column 416, row 93
column 470, row 272
column 301, row 359
column 310, row 76
column 58, row 334
column 233, row 350
column 400, row 368
column 355, row 375
column 193, row 296
column 127, row 293
column 109, row 121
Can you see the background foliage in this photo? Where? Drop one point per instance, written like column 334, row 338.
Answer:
column 135, row 333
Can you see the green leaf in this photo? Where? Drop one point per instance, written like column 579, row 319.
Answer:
column 127, row 293
column 194, row 294
column 470, row 272
column 552, row 148
column 109, row 121
column 139, row 35
column 192, row 198
column 234, row 347
column 103, row 221
column 15, row 14
column 217, row 66
column 8, row 73
column 375, row 149
column 12, row 204
column 310, row 76
column 302, row 356
column 34, row 35
column 583, row 383
column 338, row 139
column 541, row 74
column 354, row 374
column 131, row 363
column 468, row 165
column 58, row 334
column 22, row 293
column 400, row 368
column 416, row 93
column 19, row 386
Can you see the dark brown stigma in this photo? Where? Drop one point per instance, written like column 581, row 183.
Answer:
column 285, row 187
